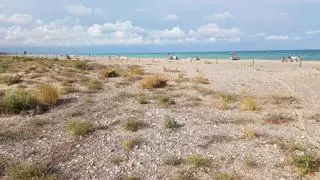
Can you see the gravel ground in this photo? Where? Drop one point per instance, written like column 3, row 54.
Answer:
column 214, row 133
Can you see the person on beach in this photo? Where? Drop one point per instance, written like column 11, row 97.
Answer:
column 283, row 59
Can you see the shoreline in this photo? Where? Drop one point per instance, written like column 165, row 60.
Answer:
column 125, row 58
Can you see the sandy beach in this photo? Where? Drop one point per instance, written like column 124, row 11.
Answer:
column 234, row 119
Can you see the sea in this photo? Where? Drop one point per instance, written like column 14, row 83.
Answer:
column 310, row 55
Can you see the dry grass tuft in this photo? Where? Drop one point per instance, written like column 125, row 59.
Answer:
column 94, row 84
column 249, row 133
column 133, row 125
column 200, row 80
column 283, row 99
column 10, row 80
column 172, row 160
column 207, row 62
column 47, row 95
column 278, row 118
column 80, row 128
column 131, row 143
column 250, row 162
column 223, row 176
column 108, row 73
column 184, row 175
column 153, row 82
column 249, row 104
column 198, row 161
column 116, row 160
column 135, row 71
column 165, row 101
column 32, row 172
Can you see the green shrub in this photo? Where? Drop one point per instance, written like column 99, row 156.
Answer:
column 16, row 100
column 198, row 161
column 3, row 67
column 79, row 128
column 133, row 125
column 307, row 163
column 171, row 123
column 165, row 101
column 29, row 172
column 107, row 73
column 82, row 65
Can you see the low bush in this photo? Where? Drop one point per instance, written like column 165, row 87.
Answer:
column 15, row 101
column 153, row 82
column 47, row 95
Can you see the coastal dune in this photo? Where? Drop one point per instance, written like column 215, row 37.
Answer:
column 158, row 119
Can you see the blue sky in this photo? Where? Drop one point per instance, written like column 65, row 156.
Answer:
column 83, row 26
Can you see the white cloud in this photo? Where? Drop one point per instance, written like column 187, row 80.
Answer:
column 213, row 30
column 259, row 34
column 170, row 17
column 216, row 16
column 313, row 32
column 18, row 19
column 77, row 10
column 234, row 39
column 95, row 30
column 277, row 37
column 175, row 32
column 68, row 32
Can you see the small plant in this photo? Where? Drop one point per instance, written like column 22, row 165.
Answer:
column 135, row 70
column 82, row 65
column 229, row 98
column 16, row 100
column 223, row 176
column 207, row 62
column 133, row 125
column 143, row 99
column 3, row 67
column 278, row 118
column 124, row 95
column 250, row 162
column 249, row 104
column 116, row 160
column 249, row 133
column 153, row 82
column 165, row 101
column 307, row 163
column 283, row 99
column 47, row 95
column 198, row 161
column 200, row 80
column 130, row 178
column 185, row 175
column 171, row 123
column 108, row 73
column 93, row 84
column 172, row 161
column 9, row 80
column 25, row 172
column 131, row 143
column 79, row 128
column 68, row 57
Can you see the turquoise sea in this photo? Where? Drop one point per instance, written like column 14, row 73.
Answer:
column 272, row 55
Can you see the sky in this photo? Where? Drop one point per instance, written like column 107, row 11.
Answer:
column 132, row 26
